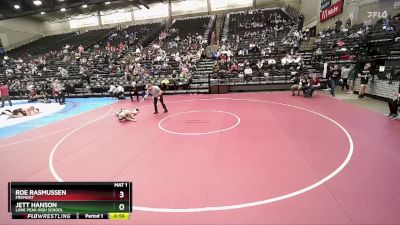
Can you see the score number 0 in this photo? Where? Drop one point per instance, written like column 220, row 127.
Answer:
column 121, row 196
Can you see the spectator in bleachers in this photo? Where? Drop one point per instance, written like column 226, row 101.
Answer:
column 271, row 61
column 276, row 30
column 318, row 54
column 82, row 69
column 297, row 59
column 288, row 42
column 46, row 98
column 223, row 58
column 338, row 25
column 33, row 69
column 33, row 96
column 112, row 90
column 174, row 74
column 248, row 72
column 348, row 22
column 286, row 60
column 135, row 90
column 271, row 44
column 253, row 47
column 240, row 52
column 245, row 51
column 58, row 91
column 234, row 68
column 260, row 65
column 119, row 92
column 81, row 49
column 213, row 38
column 9, row 72
column 313, row 84
column 263, row 51
column 299, row 83
column 184, row 70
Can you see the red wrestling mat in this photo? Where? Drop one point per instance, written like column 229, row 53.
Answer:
column 260, row 158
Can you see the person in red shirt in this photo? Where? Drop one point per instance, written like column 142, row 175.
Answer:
column 4, row 93
column 33, row 96
column 312, row 85
column 234, row 68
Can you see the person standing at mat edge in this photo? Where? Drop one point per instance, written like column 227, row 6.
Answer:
column 157, row 94
column 4, row 94
column 365, row 75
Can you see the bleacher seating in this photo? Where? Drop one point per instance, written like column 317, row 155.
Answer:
column 181, row 55
column 272, row 31
column 160, row 55
column 54, row 56
column 42, row 45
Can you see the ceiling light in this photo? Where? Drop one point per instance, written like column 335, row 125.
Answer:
column 107, row 2
column 84, row 6
column 42, row 13
column 17, row 6
column 62, row 9
column 37, row 2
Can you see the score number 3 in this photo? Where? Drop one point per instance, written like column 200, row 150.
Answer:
column 121, row 196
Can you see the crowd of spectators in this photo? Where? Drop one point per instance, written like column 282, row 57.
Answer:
column 59, row 71
column 271, row 35
column 170, row 59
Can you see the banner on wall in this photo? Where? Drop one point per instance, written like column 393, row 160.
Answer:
column 331, row 11
column 325, row 4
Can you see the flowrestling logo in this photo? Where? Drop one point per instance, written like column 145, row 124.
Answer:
column 380, row 15
column 331, row 11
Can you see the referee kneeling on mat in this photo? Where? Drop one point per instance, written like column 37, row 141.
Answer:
column 157, row 93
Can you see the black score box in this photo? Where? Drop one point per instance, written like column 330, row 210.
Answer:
column 70, row 200
column 93, row 216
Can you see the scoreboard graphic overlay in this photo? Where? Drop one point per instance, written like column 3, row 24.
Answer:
column 70, row 200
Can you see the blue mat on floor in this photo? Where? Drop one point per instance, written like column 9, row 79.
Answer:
column 73, row 107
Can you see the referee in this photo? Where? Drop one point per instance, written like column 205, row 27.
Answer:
column 157, row 94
